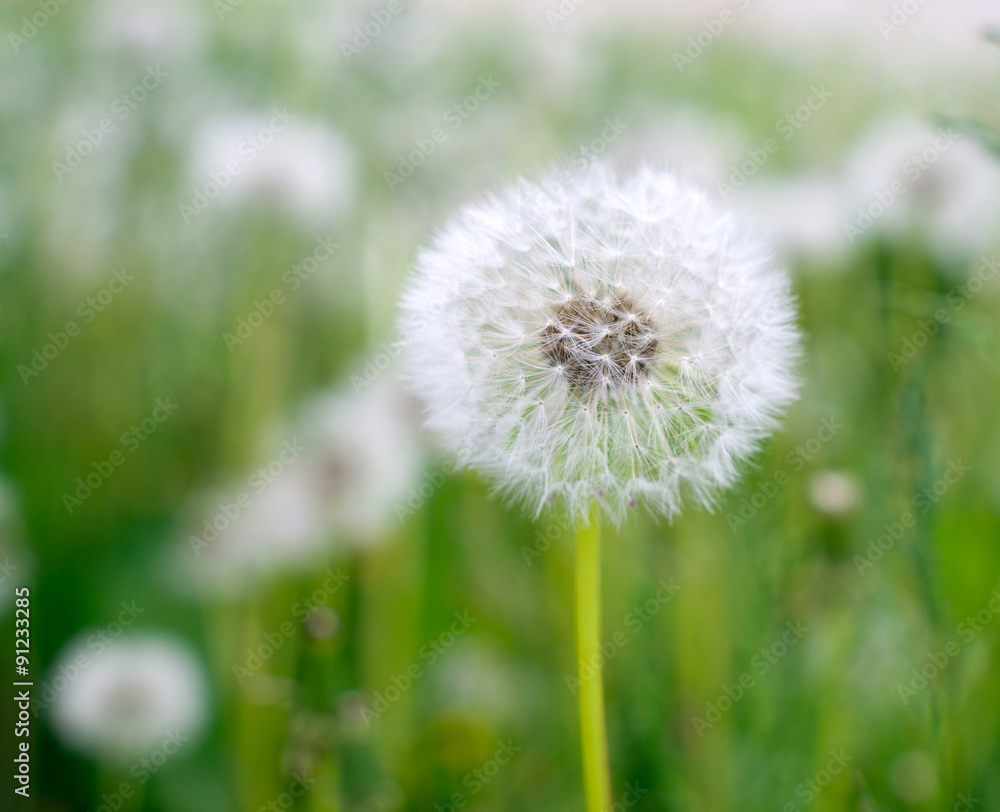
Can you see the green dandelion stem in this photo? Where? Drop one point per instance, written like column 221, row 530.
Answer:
column 593, row 729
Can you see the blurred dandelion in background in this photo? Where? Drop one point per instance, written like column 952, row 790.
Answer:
column 303, row 169
column 328, row 489
column 908, row 176
column 122, row 699
column 363, row 455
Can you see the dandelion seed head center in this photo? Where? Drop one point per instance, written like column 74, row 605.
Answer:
column 128, row 701
column 599, row 341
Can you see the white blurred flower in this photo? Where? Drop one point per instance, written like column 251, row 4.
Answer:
column 601, row 341
column 834, row 493
column 556, row 65
column 152, row 29
column 695, row 143
column 247, row 535
column 335, row 486
column 911, row 177
column 803, row 214
column 127, row 698
column 304, row 168
column 364, row 455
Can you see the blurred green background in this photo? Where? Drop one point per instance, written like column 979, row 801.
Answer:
column 823, row 650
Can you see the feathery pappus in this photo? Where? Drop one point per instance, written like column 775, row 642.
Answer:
column 601, row 340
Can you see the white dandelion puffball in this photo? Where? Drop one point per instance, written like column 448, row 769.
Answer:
column 596, row 340
column 123, row 698
column 269, row 525
column 906, row 176
column 364, row 458
column 302, row 167
column 340, row 482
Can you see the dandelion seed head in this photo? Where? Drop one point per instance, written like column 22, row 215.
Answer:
column 129, row 697
column 951, row 186
column 304, row 169
column 601, row 340
column 587, row 340
column 340, row 480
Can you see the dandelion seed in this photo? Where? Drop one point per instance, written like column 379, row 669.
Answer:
column 657, row 274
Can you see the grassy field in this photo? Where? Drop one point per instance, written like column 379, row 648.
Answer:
column 826, row 639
